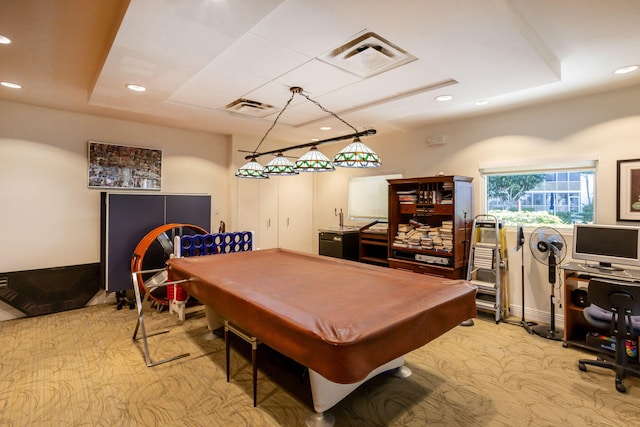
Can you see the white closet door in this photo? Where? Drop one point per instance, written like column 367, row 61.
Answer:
column 267, row 233
column 248, row 206
column 296, row 212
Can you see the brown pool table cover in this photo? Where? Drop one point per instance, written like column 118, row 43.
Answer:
column 340, row 318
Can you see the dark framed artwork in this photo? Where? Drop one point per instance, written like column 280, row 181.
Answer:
column 628, row 208
column 124, row 167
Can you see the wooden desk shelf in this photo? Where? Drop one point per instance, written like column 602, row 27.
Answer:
column 576, row 327
column 374, row 245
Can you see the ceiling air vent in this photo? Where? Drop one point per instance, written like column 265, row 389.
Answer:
column 250, row 108
column 367, row 55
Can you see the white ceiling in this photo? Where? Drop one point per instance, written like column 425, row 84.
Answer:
column 197, row 56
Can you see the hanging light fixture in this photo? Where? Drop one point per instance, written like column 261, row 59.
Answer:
column 314, row 161
column 252, row 169
column 355, row 155
column 280, row 166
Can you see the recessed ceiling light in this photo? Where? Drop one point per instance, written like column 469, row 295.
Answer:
column 627, row 69
column 136, row 88
column 325, row 128
column 11, row 85
column 443, row 98
column 481, row 102
column 4, row 40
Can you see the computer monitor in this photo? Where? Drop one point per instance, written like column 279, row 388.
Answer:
column 606, row 245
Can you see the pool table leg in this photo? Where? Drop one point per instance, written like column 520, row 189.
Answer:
column 402, row 372
column 327, row 393
column 320, row 419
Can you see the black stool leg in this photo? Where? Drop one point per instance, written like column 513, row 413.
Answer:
column 228, row 327
column 254, row 357
column 227, row 348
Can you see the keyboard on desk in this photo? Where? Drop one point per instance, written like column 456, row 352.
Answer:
column 627, row 275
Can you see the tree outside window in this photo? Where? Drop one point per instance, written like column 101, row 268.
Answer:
column 559, row 198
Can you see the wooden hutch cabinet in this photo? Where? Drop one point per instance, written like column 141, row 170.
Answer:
column 430, row 222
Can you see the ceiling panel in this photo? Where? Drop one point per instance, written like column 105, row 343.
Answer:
column 196, row 56
column 215, row 86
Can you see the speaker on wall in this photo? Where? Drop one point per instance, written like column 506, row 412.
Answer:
column 437, row 140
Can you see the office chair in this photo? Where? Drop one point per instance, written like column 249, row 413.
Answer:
column 614, row 306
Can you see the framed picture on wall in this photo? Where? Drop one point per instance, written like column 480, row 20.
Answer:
column 124, row 167
column 628, row 208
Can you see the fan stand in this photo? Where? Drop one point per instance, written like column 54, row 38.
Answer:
column 550, row 332
column 526, row 325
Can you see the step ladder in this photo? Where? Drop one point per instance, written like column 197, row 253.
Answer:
column 486, row 259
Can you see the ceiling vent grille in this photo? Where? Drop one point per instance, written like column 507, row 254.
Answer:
column 367, row 55
column 250, row 108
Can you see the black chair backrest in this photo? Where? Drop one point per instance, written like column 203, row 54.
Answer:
column 621, row 298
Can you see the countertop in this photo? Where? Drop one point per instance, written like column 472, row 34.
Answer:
column 341, row 230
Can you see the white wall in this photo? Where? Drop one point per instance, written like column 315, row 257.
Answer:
column 603, row 127
column 43, row 171
column 48, row 216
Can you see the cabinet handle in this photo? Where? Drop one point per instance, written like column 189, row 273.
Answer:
column 287, row 221
column 268, row 222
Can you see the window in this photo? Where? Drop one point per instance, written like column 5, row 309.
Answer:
column 559, row 197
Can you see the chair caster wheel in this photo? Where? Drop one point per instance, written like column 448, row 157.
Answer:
column 620, row 387
column 582, row 366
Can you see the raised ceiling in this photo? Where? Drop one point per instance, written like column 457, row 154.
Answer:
column 195, row 57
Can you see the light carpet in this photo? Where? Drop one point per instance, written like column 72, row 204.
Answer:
column 82, row 368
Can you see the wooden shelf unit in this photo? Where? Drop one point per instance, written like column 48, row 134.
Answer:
column 374, row 246
column 437, row 199
column 576, row 327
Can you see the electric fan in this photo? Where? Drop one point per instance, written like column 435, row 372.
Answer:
column 548, row 247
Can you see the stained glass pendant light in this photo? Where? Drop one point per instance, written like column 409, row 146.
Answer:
column 280, row 166
column 252, row 169
column 314, row 161
column 357, row 155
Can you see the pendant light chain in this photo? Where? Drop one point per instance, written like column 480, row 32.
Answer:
column 328, row 111
column 293, row 93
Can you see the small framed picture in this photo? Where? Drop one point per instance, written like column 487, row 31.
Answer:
column 123, row 167
column 628, row 208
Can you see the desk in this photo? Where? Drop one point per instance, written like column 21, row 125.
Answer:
column 343, row 320
column 577, row 275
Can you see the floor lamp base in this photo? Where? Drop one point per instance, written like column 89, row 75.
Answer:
column 546, row 332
